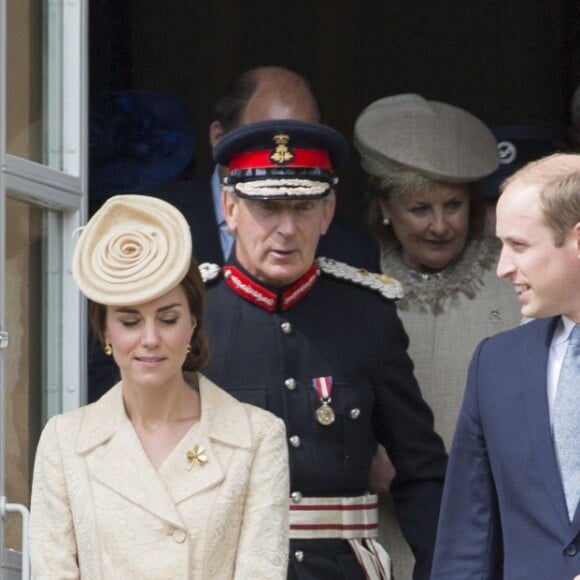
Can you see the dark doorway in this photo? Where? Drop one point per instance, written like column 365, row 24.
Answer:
column 513, row 62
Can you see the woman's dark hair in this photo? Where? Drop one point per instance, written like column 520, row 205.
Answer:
column 194, row 289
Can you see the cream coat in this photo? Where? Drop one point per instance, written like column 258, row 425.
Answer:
column 441, row 346
column 100, row 510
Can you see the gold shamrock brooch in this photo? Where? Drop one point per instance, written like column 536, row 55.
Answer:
column 196, row 456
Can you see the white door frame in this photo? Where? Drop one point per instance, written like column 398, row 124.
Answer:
column 60, row 184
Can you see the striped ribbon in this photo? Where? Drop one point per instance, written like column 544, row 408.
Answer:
column 334, row 517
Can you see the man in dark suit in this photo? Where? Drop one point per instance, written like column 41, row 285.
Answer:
column 510, row 507
column 259, row 94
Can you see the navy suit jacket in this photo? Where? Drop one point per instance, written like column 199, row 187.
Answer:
column 194, row 198
column 504, row 512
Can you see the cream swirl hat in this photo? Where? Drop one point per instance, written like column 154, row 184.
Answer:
column 134, row 249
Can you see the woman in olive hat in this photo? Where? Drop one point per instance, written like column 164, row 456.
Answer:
column 422, row 159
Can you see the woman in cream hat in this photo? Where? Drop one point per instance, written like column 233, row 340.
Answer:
column 422, row 159
column 165, row 476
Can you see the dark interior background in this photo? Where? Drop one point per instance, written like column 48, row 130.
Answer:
column 508, row 62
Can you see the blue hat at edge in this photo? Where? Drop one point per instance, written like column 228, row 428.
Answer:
column 517, row 145
column 281, row 159
column 138, row 140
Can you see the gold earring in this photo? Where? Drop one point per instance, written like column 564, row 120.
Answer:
column 107, row 349
column 189, row 349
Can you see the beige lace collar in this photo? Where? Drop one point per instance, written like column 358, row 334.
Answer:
column 428, row 292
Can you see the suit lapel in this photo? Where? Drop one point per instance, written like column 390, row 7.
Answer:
column 576, row 522
column 200, row 214
column 194, row 198
column 534, row 359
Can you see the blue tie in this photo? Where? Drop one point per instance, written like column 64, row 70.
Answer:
column 567, row 422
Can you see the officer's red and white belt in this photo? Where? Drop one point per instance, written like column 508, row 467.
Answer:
column 354, row 519
column 334, row 517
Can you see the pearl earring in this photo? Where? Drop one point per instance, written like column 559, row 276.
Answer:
column 386, row 221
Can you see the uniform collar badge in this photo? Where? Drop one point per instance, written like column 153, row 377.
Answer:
column 253, row 292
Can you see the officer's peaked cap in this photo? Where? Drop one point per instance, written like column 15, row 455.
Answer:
column 281, row 159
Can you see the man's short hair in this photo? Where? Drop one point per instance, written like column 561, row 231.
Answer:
column 558, row 178
column 229, row 107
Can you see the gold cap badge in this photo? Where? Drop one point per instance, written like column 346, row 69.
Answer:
column 282, row 153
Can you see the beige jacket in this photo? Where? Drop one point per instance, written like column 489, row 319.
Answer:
column 474, row 303
column 99, row 509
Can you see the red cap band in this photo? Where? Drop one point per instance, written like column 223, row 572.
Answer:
column 261, row 160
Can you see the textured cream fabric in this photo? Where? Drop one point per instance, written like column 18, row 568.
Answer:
column 100, row 510
column 441, row 346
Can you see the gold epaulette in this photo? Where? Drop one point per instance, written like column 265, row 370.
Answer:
column 385, row 285
column 209, row 271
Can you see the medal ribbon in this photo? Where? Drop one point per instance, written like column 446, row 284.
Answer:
column 323, row 387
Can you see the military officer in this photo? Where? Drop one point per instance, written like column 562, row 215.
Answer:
column 319, row 343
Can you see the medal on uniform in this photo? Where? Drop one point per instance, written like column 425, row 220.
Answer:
column 323, row 387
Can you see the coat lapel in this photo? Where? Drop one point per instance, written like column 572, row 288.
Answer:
column 534, row 358
column 115, row 458
column 185, row 478
column 223, row 428
column 576, row 522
